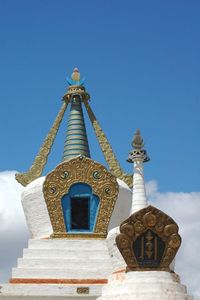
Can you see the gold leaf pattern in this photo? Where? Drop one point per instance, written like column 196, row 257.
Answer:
column 149, row 218
column 80, row 169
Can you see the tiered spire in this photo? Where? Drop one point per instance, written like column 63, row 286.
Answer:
column 138, row 156
column 76, row 142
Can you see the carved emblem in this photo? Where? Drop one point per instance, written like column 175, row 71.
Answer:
column 82, row 290
column 148, row 240
column 80, row 169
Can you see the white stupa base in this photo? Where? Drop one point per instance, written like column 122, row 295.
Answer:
column 144, row 285
column 117, row 260
column 58, row 268
column 48, row 291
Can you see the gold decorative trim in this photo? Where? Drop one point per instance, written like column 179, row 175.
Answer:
column 76, row 90
column 80, row 169
column 148, row 240
column 106, row 148
column 74, row 236
column 39, row 163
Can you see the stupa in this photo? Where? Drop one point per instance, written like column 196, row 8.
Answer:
column 69, row 211
column 148, row 241
column 77, row 249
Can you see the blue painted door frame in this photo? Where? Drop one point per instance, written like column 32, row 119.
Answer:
column 80, row 191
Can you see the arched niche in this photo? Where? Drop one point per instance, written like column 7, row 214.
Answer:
column 80, row 207
column 71, row 180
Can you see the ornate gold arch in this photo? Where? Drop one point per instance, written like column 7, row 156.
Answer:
column 149, row 219
column 80, row 169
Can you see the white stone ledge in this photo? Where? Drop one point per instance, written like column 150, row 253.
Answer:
column 49, row 290
column 62, row 253
column 62, row 297
column 148, row 296
column 75, row 263
column 144, row 285
column 65, row 273
column 83, row 244
column 149, row 287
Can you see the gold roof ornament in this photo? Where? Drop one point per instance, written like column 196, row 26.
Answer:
column 138, row 153
column 76, row 75
column 137, row 142
column 75, row 88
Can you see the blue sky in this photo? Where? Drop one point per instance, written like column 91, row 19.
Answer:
column 141, row 61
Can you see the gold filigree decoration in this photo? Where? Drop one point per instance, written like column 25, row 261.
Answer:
column 148, row 240
column 39, row 163
column 80, row 169
column 107, row 150
column 76, row 90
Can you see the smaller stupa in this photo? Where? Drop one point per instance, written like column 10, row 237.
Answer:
column 148, row 242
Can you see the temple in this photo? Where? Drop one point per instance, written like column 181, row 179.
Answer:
column 93, row 233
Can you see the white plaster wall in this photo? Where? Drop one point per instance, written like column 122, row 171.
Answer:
column 120, row 213
column 123, row 205
column 144, row 285
column 59, row 259
column 35, row 209
column 64, row 259
column 37, row 216
column 61, row 290
column 118, row 263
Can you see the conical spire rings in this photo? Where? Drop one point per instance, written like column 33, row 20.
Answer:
column 74, row 146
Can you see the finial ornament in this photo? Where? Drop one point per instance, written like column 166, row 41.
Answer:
column 138, row 153
column 137, row 142
column 75, row 78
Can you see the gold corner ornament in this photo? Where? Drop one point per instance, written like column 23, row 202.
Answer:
column 58, row 183
column 106, row 148
column 38, row 165
column 148, row 240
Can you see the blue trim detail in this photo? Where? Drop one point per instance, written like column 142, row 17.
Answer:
column 75, row 124
column 75, row 140
column 70, row 129
column 75, row 149
column 80, row 190
column 76, row 134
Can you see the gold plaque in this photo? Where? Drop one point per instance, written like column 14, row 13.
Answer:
column 148, row 240
column 76, row 170
column 83, row 290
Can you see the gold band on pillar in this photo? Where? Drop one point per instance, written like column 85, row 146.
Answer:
column 39, row 163
column 106, row 148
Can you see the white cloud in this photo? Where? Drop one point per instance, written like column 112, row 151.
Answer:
column 184, row 208
column 13, row 230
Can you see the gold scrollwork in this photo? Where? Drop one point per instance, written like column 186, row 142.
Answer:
column 80, row 169
column 149, row 224
column 106, row 148
column 36, row 169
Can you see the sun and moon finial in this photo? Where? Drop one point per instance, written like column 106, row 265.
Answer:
column 75, row 78
column 138, row 152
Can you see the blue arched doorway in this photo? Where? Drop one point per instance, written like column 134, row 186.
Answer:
column 80, row 207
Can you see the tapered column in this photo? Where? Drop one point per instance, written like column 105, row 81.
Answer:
column 138, row 156
column 76, row 142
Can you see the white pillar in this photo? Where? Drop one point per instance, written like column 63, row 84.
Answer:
column 139, row 199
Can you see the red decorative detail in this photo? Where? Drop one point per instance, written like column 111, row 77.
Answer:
column 57, row 281
column 120, row 271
